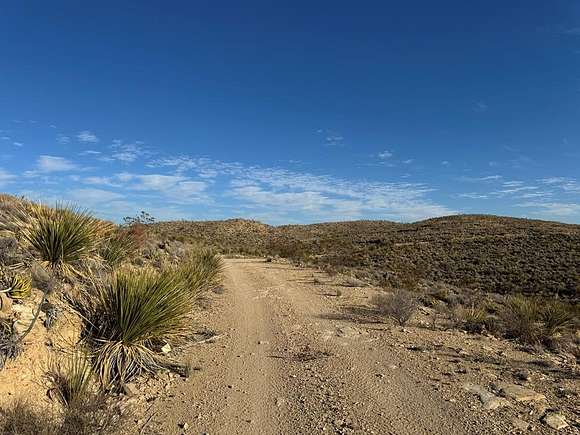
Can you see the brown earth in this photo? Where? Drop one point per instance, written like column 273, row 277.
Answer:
column 290, row 356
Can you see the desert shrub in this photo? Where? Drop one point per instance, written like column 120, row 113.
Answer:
column 62, row 236
column 400, row 305
column 96, row 417
column 201, row 272
column 129, row 317
column 557, row 317
column 520, row 317
column 17, row 286
column 71, row 378
column 472, row 318
column 21, row 418
column 84, row 408
column 10, row 345
column 122, row 245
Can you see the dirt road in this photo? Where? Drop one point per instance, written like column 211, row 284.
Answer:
column 289, row 362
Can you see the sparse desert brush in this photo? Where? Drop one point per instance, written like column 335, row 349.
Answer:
column 201, row 272
column 62, row 236
column 521, row 320
column 71, row 378
column 23, row 418
column 128, row 318
column 120, row 246
column 400, row 305
column 557, row 317
column 471, row 318
column 84, row 408
column 10, row 344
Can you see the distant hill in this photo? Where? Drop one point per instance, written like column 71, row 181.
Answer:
column 491, row 253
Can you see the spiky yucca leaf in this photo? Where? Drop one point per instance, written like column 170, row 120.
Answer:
column 63, row 236
column 202, row 271
column 520, row 316
column 120, row 246
column 131, row 316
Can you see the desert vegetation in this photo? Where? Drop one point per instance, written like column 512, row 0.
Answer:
column 484, row 253
column 130, row 297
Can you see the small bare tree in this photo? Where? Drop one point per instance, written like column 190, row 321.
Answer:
column 400, row 305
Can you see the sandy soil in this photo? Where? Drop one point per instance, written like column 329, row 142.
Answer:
column 288, row 360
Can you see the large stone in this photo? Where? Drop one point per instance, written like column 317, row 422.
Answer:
column 521, row 394
column 555, row 420
column 489, row 400
column 5, row 304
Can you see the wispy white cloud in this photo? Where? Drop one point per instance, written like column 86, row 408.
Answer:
column 17, row 144
column 553, row 208
column 485, row 178
column 87, row 136
column 6, row 177
column 63, row 139
column 94, row 196
column 317, row 197
column 128, row 152
column 46, row 164
column 331, row 138
column 386, row 154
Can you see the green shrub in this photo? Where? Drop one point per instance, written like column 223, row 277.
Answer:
column 520, row 317
column 557, row 318
column 201, row 272
column 119, row 247
column 472, row 319
column 128, row 319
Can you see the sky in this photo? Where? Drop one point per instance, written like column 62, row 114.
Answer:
column 293, row 111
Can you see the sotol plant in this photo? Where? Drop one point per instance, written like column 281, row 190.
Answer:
column 62, row 236
column 129, row 317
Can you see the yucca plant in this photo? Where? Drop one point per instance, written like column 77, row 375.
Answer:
column 19, row 286
column 557, row 317
column 120, row 246
column 201, row 272
column 62, row 236
column 520, row 316
column 72, row 379
column 128, row 318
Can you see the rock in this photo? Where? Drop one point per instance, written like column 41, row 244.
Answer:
column 130, row 390
column 521, row 394
column 489, row 400
column 166, row 348
column 5, row 304
column 555, row 420
column 263, row 342
column 520, row 424
column 184, row 426
column 523, row 375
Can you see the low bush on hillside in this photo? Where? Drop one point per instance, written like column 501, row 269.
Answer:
column 400, row 305
column 532, row 322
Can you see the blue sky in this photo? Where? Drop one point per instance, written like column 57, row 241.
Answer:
column 293, row 112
